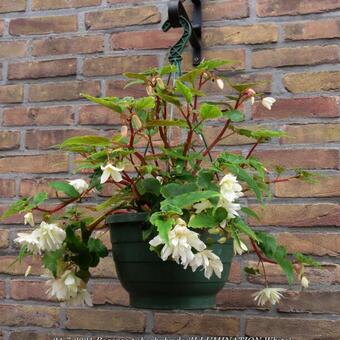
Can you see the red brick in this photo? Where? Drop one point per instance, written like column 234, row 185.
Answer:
column 106, row 320
column 300, row 328
column 300, row 158
column 69, row 90
column 12, row 6
column 2, row 292
column 7, row 266
column 316, row 29
column 38, row 5
column 37, row 116
column 312, row 107
column 294, row 56
column 251, row 34
column 105, row 268
column 122, row 17
column 225, row 10
column 9, row 49
column 29, row 187
column 105, row 66
column 11, row 94
column 113, row 294
column 29, row 315
column 42, row 69
column 9, row 140
column 116, row 88
column 4, row 240
column 68, row 45
column 312, row 82
column 1, row 27
column 51, row 163
column 7, row 187
column 45, row 139
column 326, row 186
column 43, row 25
column 277, row 7
column 29, row 290
column 298, row 215
column 196, row 324
column 98, row 115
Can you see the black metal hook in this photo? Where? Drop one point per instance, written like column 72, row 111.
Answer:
column 177, row 12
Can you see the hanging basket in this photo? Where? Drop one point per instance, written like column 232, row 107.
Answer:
column 156, row 284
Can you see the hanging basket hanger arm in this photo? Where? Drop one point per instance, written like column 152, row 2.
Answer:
column 178, row 17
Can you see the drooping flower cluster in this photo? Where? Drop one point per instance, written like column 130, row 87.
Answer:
column 181, row 246
column 272, row 295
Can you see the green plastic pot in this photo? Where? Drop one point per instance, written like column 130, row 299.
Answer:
column 156, row 284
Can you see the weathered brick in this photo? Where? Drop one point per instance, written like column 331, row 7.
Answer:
column 7, row 266
column 9, row 140
column 300, row 158
column 313, row 29
column 9, row 49
column 54, row 115
column 4, row 236
column 11, row 94
column 106, row 320
column 69, row 90
column 116, row 88
column 38, row 5
column 275, row 8
column 326, row 186
column 29, row 290
column 12, row 6
column 300, row 328
column 68, row 45
column 122, row 17
column 291, row 108
column 1, row 27
column 29, row 315
column 313, row 133
column 43, row 25
column 294, row 56
column 224, row 10
column 33, row 335
column 2, row 292
column 7, row 187
column 45, row 139
column 196, row 324
column 51, row 163
column 113, row 294
column 298, row 215
column 98, row 115
column 30, row 187
column 312, row 82
column 250, row 34
column 105, row 66
column 311, row 302
column 42, row 69
column 105, row 268
column 317, row 244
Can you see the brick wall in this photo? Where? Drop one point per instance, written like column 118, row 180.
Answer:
column 51, row 50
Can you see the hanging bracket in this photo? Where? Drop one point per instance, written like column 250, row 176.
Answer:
column 178, row 17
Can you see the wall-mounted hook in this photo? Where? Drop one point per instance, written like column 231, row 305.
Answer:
column 178, row 17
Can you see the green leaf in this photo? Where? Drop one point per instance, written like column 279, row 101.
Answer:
column 208, row 111
column 242, row 87
column 184, row 90
column 144, row 103
column 205, row 179
column 244, row 228
column 167, row 69
column 51, row 259
column 307, row 260
column 40, row 198
column 203, row 220
column 250, row 212
column 234, row 115
column 131, row 75
column 149, row 186
column 169, row 99
column 176, row 122
column 163, row 223
column 108, row 102
column 191, row 76
column 86, row 140
column 15, row 208
column 97, row 246
column 66, row 188
column 251, row 270
column 214, row 63
column 175, row 189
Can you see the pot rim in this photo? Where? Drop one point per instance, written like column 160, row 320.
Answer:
column 127, row 218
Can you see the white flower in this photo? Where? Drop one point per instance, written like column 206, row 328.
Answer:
column 181, row 242
column 111, row 171
column 79, row 184
column 66, row 287
column 239, row 248
column 210, row 262
column 28, row 219
column 267, row 102
column 83, row 298
column 28, row 270
column 220, row 83
column 201, row 206
column 232, row 208
column 124, row 131
column 31, row 240
column 50, row 236
column 230, row 188
column 160, row 179
column 304, row 282
column 272, row 295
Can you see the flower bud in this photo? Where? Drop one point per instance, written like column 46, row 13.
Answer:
column 149, row 90
column 136, row 122
column 124, row 131
column 28, row 219
column 28, row 271
column 304, row 282
column 220, row 83
column 160, row 83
